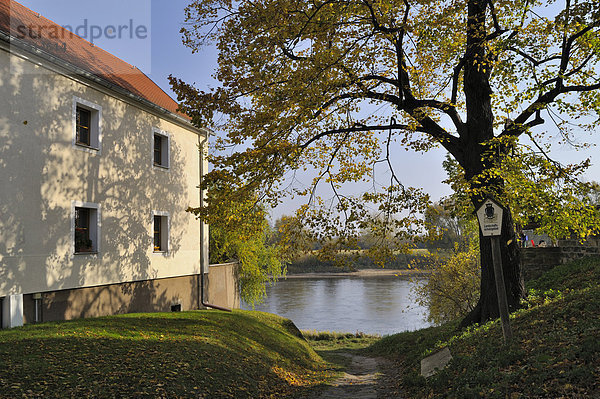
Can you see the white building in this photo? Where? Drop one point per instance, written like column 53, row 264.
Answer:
column 97, row 169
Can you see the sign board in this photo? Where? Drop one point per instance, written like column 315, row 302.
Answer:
column 490, row 218
column 435, row 362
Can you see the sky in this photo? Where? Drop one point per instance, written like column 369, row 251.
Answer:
column 145, row 33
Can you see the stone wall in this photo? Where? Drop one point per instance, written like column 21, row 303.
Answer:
column 538, row 260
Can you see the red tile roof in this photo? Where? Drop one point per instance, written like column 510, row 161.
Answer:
column 29, row 26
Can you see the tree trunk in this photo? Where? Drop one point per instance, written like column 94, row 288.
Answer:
column 478, row 130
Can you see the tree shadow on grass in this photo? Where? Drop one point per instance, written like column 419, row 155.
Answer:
column 190, row 354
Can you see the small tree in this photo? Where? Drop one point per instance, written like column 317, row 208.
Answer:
column 451, row 290
column 240, row 231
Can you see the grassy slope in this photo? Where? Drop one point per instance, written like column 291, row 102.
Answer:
column 555, row 351
column 190, row 354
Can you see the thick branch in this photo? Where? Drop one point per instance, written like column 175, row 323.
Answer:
column 357, row 128
column 567, row 46
column 375, row 22
column 494, row 17
column 399, row 46
column 531, row 59
column 379, row 78
column 287, row 52
column 448, row 109
column 520, row 124
column 580, row 88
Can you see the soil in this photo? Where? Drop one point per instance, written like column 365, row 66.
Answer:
column 365, row 378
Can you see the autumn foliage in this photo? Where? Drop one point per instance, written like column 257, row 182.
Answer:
column 337, row 87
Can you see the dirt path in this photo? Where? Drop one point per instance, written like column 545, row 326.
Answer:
column 363, row 379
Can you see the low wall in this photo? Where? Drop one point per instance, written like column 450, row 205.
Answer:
column 160, row 295
column 223, row 285
column 538, row 260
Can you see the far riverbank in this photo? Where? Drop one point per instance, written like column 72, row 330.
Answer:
column 363, row 273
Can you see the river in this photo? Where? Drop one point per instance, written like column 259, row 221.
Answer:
column 375, row 305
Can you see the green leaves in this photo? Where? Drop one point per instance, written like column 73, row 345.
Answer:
column 539, row 191
column 334, row 89
column 240, row 231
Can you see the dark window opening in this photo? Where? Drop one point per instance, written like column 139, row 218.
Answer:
column 84, row 118
column 158, row 247
column 176, row 308
column 83, row 242
column 158, row 151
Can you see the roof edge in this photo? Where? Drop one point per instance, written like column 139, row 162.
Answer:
column 81, row 73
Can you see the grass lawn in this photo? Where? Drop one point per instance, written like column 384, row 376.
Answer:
column 331, row 345
column 211, row 354
column 555, row 352
column 205, row 354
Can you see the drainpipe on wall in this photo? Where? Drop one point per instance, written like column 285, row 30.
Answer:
column 202, row 141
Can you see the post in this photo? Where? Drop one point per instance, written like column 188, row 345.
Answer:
column 500, row 288
column 489, row 215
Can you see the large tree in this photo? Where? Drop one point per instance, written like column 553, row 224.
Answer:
column 339, row 85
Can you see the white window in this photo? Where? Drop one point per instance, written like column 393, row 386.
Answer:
column 160, row 231
column 87, row 125
column 161, row 151
column 85, row 228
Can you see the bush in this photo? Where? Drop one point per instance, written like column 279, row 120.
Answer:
column 452, row 288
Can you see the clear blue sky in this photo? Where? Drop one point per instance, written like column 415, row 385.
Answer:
column 159, row 51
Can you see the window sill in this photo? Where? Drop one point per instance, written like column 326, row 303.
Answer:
column 87, row 148
column 86, row 253
column 159, row 166
column 164, row 253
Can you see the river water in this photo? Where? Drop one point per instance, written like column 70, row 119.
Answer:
column 375, row 305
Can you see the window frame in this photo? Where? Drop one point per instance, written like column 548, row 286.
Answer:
column 93, row 229
column 165, row 149
column 95, row 126
column 165, row 232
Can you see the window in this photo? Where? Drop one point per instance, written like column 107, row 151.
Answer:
column 82, row 126
column 160, row 231
column 158, row 247
column 87, row 132
column 85, row 227
column 160, row 149
column 83, row 243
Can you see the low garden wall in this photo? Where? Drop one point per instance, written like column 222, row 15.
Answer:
column 223, row 285
column 537, row 260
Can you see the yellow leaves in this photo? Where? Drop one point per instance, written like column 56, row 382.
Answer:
column 291, row 377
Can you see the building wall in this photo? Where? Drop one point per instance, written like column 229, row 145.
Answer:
column 42, row 173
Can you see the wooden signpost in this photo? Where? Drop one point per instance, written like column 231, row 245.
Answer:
column 490, row 221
